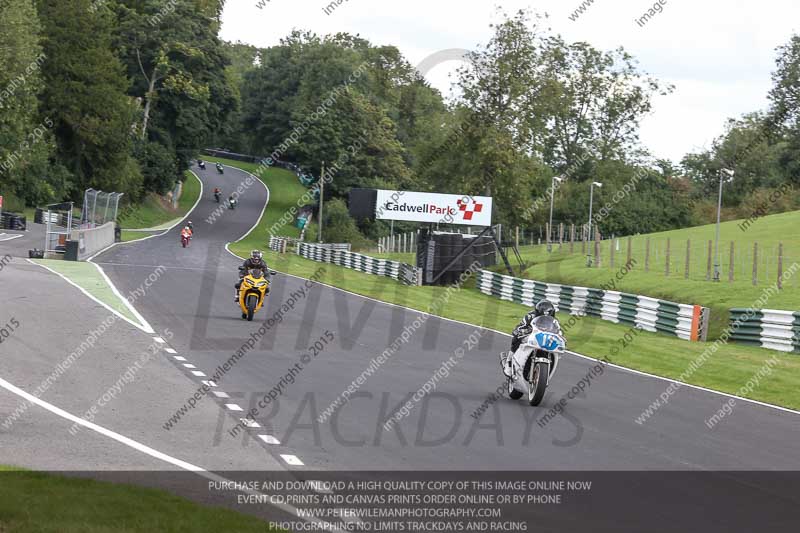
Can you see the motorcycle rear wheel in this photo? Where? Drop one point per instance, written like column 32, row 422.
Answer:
column 538, row 383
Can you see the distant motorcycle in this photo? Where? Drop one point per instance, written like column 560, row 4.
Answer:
column 217, row 196
column 220, row 168
column 185, row 240
column 233, row 204
column 201, row 164
column 534, row 364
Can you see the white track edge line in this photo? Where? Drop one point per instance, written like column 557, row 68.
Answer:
column 631, row 370
column 91, row 296
column 145, row 325
column 143, row 448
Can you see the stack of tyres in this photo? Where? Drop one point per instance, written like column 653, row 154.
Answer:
column 13, row 221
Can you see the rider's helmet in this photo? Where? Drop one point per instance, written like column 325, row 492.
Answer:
column 189, row 224
column 544, row 308
column 256, row 255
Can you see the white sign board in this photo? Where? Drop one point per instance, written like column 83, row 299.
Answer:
column 434, row 208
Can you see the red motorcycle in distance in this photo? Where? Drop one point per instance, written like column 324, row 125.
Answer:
column 186, row 236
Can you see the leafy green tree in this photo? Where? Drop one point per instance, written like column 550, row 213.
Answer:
column 85, row 97
column 26, row 142
column 593, row 103
column 784, row 119
column 177, row 65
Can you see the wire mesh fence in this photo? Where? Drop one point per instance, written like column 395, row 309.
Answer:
column 99, row 208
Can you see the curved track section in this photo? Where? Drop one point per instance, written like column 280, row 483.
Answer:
column 443, row 430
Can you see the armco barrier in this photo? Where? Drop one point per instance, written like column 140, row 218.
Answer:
column 280, row 244
column 768, row 328
column 91, row 241
column 402, row 272
column 688, row 322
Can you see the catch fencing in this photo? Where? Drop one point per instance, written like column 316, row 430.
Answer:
column 99, row 208
column 688, row 322
column 402, row 272
column 768, row 328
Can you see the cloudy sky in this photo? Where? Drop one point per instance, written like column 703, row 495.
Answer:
column 719, row 54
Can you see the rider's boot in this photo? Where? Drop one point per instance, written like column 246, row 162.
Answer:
column 505, row 362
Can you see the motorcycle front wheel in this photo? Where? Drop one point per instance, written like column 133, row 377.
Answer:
column 513, row 393
column 251, row 307
column 538, row 383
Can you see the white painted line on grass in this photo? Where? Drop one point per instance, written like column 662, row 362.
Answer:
column 198, row 374
column 169, row 350
column 233, row 407
column 269, row 439
column 220, row 394
column 93, row 298
column 147, row 328
column 209, row 383
column 249, row 423
column 179, row 358
column 251, row 230
column 189, row 365
column 164, row 232
column 159, row 340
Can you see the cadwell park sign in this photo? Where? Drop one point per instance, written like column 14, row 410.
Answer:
column 434, row 208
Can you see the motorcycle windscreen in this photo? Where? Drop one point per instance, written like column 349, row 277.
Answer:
column 548, row 337
column 546, row 324
column 257, row 273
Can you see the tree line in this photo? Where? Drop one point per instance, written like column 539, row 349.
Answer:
column 116, row 95
column 120, row 95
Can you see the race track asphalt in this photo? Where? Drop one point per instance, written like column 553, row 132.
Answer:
column 189, row 293
column 194, row 298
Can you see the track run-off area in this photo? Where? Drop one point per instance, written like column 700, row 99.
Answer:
column 314, row 381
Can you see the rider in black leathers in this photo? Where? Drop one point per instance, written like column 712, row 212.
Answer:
column 524, row 328
column 256, row 260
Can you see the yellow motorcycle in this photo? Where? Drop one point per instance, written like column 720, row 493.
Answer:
column 253, row 292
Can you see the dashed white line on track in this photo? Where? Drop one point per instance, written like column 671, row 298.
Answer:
column 292, row 460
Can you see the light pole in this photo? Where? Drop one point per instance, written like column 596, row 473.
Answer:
column 556, row 179
column 730, row 173
column 321, row 200
column 591, row 238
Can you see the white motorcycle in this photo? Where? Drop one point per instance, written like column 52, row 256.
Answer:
column 534, row 364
